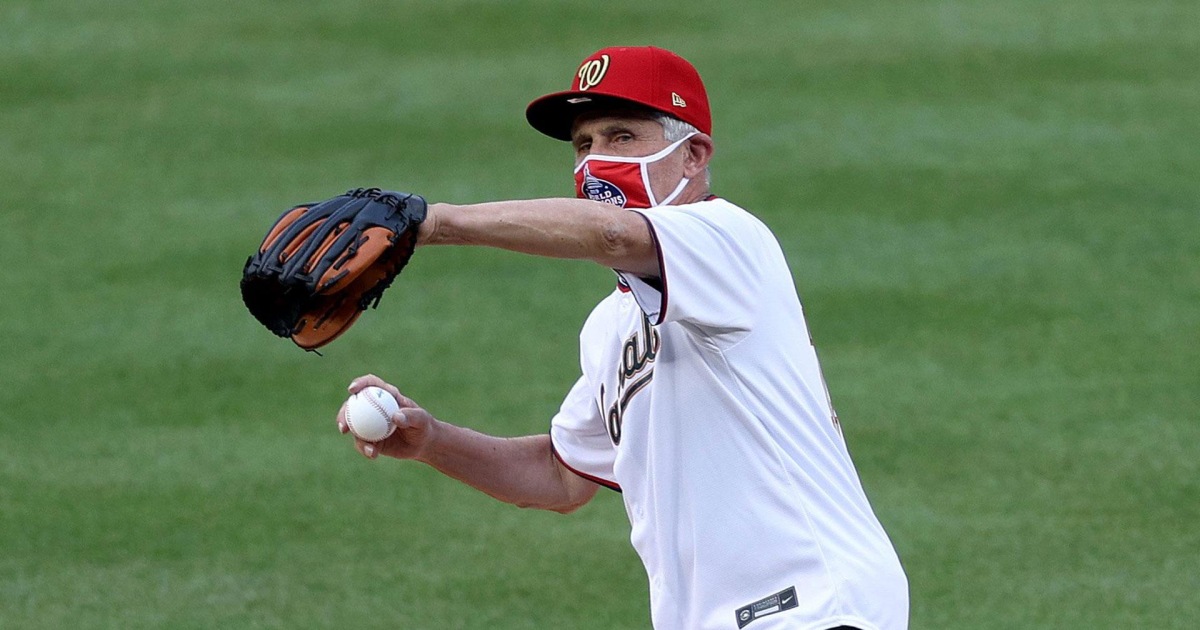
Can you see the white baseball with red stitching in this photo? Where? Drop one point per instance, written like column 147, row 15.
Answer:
column 369, row 414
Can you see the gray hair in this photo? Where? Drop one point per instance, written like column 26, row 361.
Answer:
column 674, row 130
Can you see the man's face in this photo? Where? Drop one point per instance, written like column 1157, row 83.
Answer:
column 616, row 135
column 629, row 136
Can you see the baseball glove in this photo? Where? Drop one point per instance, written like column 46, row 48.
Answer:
column 322, row 264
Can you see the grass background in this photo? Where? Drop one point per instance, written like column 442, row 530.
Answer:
column 990, row 209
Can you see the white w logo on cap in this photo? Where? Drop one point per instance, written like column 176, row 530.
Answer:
column 592, row 72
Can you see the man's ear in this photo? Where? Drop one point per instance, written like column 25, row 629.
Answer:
column 699, row 153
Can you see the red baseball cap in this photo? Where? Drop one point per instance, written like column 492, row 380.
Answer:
column 612, row 77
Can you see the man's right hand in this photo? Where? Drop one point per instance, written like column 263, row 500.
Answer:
column 522, row 471
column 414, row 425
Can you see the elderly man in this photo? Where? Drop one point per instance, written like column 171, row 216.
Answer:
column 701, row 399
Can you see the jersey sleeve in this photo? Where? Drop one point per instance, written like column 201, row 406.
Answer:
column 580, row 439
column 709, row 254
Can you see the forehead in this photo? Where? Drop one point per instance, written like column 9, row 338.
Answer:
column 594, row 121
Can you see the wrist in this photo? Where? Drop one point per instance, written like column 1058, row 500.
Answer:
column 427, row 231
column 427, row 452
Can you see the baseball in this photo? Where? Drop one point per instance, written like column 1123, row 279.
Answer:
column 368, row 414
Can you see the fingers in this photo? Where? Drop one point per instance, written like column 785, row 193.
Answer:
column 405, row 401
column 370, row 380
column 414, row 420
column 364, row 381
column 341, row 420
column 369, row 450
column 411, row 419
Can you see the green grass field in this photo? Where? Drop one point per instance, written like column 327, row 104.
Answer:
column 992, row 211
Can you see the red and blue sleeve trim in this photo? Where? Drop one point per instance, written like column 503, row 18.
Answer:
column 662, row 269
column 596, row 480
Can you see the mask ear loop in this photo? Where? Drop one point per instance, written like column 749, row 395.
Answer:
column 671, row 197
column 645, row 169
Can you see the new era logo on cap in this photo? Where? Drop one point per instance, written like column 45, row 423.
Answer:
column 642, row 75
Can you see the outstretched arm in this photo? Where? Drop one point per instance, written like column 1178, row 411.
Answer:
column 522, row 470
column 558, row 228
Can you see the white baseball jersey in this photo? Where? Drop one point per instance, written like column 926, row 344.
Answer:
column 702, row 401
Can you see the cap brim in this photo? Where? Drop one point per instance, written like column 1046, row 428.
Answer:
column 555, row 114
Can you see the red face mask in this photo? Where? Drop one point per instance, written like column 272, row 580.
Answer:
column 623, row 181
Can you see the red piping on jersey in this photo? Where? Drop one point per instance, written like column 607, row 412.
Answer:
column 623, row 287
column 662, row 268
column 596, row 480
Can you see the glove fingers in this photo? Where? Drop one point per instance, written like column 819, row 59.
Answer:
column 282, row 224
column 331, row 317
column 297, row 243
column 290, row 230
column 342, row 271
column 362, row 216
column 336, row 214
column 317, row 257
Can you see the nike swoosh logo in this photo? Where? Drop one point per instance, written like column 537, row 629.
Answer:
column 787, row 599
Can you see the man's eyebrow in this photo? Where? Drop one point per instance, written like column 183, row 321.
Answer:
column 606, row 130
column 616, row 127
